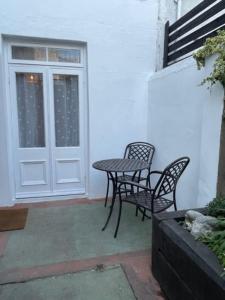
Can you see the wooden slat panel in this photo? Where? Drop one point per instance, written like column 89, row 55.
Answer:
column 198, row 20
column 197, row 9
column 198, row 33
column 196, row 44
column 166, row 36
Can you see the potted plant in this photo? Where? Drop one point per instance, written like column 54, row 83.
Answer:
column 187, row 267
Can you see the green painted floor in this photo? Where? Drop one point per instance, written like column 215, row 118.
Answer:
column 111, row 284
column 58, row 234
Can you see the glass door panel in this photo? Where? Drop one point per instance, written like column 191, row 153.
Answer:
column 30, row 108
column 66, row 106
column 64, row 55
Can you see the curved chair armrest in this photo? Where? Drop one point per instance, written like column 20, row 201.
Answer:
column 156, row 172
column 160, row 173
column 132, row 183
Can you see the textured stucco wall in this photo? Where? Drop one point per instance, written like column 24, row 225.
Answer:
column 185, row 119
column 121, row 48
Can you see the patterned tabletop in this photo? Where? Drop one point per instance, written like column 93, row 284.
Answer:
column 120, row 165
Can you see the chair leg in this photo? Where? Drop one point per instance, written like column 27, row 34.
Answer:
column 143, row 215
column 118, row 220
column 107, row 191
column 125, row 186
column 136, row 211
column 174, row 200
column 136, row 206
column 148, row 183
column 175, row 206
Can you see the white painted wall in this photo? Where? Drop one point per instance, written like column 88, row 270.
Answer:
column 186, row 5
column 124, row 45
column 185, row 119
column 121, row 47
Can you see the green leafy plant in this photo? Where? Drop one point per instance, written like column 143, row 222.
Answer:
column 216, row 242
column 213, row 45
column 216, row 207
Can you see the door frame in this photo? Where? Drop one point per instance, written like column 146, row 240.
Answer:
column 7, row 43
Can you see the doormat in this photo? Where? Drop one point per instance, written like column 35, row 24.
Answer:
column 13, row 219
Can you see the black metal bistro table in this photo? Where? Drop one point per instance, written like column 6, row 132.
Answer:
column 118, row 165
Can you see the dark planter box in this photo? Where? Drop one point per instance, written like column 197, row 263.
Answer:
column 185, row 268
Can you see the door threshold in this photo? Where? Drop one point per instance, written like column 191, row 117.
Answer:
column 50, row 198
column 74, row 192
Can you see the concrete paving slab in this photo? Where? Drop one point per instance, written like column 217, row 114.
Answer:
column 109, row 284
column 58, row 234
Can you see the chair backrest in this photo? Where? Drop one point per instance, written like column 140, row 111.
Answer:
column 140, row 150
column 168, row 180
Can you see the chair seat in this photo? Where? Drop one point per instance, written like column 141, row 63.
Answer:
column 129, row 178
column 144, row 199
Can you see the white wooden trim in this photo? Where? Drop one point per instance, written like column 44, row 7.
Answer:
column 6, row 100
column 9, row 44
column 23, row 198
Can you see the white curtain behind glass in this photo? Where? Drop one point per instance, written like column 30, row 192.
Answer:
column 66, row 100
column 30, row 107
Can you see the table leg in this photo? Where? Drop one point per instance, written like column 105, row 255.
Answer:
column 114, row 184
column 107, row 190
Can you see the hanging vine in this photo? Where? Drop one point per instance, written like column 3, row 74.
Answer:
column 213, row 45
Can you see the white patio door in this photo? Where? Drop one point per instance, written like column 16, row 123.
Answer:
column 67, row 130
column 48, row 130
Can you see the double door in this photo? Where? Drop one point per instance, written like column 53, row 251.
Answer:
column 48, row 128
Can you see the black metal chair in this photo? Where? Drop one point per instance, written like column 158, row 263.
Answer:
column 153, row 199
column 137, row 150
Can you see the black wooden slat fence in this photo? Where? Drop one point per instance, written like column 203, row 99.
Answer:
column 197, row 9
column 181, row 38
column 203, row 30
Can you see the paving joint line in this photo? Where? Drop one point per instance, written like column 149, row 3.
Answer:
column 17, row 275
